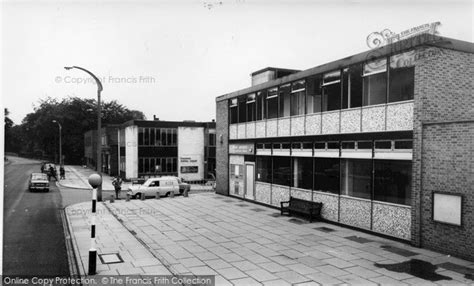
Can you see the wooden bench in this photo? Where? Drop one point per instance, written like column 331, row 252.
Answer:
column 299, row 206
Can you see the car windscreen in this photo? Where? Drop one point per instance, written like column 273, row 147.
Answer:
column 39, row 177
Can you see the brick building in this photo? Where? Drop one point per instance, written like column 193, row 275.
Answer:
column 383, row 138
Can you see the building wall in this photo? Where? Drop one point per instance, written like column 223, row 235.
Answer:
column 131, row 152
column 191, row 152
column 443, row 157
column 222, row 145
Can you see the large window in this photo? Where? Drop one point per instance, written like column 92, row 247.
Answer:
column 264, row 169
column 352, row 87
column 375, row 82
column 284, row 96
column 302, row 173
column 402, row 77
column 298, row 97
column 140, row 136
column 326, row 175
column 392, row 181
column 157, row 165
column 282, row 171
column 272, row 103
column 261, row 106
column 313, row 94
column 356, row 178
column 233, row 111
column 251, row 107
column 331, row 91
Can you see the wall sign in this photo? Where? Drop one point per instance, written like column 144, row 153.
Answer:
column 447, row 208
column 241, row 149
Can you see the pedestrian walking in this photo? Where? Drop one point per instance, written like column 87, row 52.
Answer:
column 117, row 183
column 52, row 173
column 62, row 173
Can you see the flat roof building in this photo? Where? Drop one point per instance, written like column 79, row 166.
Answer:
column 151, row 148
column 383, row 138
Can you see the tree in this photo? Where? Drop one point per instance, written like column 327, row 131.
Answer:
column 76, row 115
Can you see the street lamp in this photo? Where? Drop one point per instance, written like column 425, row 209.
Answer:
column 99, row 127
column 60, row 144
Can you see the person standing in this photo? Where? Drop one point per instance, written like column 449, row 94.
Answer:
column 117, row 183
column 62, row 173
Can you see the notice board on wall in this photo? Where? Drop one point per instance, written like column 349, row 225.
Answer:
column 447, row 208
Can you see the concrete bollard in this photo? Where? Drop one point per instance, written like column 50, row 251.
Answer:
column 172, row 194
column 157, row 195
column 185, row 194
column 112, row 199
column 142, row 196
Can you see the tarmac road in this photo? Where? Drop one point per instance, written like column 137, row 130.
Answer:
column 33, row 235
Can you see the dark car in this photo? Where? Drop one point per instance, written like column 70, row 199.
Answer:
column 38, row 182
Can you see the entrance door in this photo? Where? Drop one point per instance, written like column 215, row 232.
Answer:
column 250, row 181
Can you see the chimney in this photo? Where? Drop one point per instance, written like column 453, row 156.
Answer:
column 155, row 118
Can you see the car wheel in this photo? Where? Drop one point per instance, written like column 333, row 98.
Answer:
column 137, row 196
column 167, row 194
column 181, row 192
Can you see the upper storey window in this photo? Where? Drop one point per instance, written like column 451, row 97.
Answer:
column 233, row 111
column 284, row 95
column 402, row 77
column 272, row 103
column 331, row 91
column 313, row 94
column 375, row 82
column 298, row 92
column 251, row 107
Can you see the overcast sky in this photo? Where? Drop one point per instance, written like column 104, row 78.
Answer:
column 173, row 58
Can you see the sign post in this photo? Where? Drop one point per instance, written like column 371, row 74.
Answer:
column 95, row 181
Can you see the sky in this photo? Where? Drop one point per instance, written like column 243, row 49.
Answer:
column 173, row 58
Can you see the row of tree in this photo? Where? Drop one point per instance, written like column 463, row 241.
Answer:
column 37, row 135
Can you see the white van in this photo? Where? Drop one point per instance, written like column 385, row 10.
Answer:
column 163, row 185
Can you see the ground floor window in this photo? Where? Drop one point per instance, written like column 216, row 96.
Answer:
column 264, row 169
column 303, row 173
column 326, row 175
column 282, row 171
column 356, row 178
column 380, row 180
column 392, row 181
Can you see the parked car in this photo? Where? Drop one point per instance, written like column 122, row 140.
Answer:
column 38, row 181
column 162, row 185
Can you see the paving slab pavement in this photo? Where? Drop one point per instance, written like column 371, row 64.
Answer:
column 247, row 244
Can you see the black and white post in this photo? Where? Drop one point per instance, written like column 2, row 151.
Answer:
column 95, row 181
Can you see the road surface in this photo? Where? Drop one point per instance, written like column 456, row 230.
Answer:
column 33, row 235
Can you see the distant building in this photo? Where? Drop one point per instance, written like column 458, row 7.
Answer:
column 383, row 138
column 180, row 148
column 109, row 149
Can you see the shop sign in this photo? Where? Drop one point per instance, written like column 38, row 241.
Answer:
column 241, row 149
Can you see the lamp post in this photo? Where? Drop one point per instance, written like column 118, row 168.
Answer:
column 99, row 127
column 60, row 144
